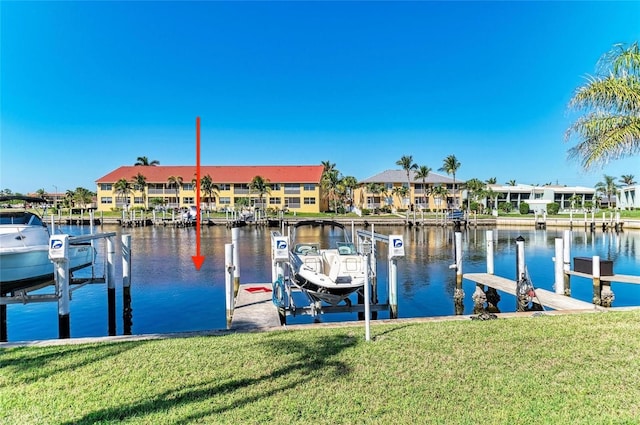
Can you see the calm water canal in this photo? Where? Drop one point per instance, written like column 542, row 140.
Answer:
column 169, row 295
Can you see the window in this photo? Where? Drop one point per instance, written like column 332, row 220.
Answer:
column 138, row 200
column 106, row 186
column 225, row 200
column 388, row 186
column 309, row 186
column 292, row 202
column 275, row 186
column 224, row 186
column 309, row 201
column 155, row 189
column 188, row 186
column 275, row 201
column 106, row 200
column 241, row 188
column 292, row 188
column 189, row 200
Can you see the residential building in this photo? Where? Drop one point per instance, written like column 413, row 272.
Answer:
column 391, row 188
column 538, row 197
column 628, row 197
column 293, row 187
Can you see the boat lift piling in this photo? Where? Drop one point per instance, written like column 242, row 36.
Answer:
column 228, row 282
column 458, row 295
column 126, row 283
column 235, row 236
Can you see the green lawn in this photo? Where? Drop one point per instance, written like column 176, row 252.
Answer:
column 571, row 369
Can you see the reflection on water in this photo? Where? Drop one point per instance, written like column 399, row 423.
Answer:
column 170, row 295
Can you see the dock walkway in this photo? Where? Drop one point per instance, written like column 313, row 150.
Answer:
column 254, row 308
column 546, row 298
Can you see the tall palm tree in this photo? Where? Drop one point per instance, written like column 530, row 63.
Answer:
column 375, row 189
column 144, row 161
column 400, row 192
column 450, row 165
column 491, row 180
column 407, row 164
column 140, row 183
column 608, row 187
column 349, row 183
column 511, row 182
column 627, row 179
column 176, row 181
column 610, row 126
column 208, row 187
column 476, row 190
column 123, row 189
column 423, row 173
column 83, row 196
column 331, row 185
column 439, row 193
column 260, row 186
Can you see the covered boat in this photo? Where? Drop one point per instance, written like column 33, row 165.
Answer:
column 24, row 248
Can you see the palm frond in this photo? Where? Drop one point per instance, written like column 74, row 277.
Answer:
column 610, row 93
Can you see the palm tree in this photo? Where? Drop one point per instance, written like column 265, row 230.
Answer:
column 260, row 186
column 176, row 181
column 123, row 188
column 476, row 190
column 400, row 192
column 208, row 187
column 491, row 180
column 439, row 193
column 627, row 179
column 423, row 173
column 608, row 187
column 450, row 165
column 331, row 185
column 83, row 196
column 140, row 183
column 512, row 183
column 374, row 189
column 610, row 126
column 144, row 161
column 349, row 183
column 407, row 164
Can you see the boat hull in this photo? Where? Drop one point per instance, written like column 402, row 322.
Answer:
column 27, row 266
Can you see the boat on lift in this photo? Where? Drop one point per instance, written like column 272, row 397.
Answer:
column 329, row 274
column 24, row 247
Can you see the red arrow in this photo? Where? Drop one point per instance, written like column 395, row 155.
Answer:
column 198, row 259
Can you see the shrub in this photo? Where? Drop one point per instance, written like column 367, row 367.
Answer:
column 506, row 207
column 553, row 208
column 524, row 208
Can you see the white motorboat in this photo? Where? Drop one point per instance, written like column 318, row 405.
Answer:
column 24, row 249
column 327, row 274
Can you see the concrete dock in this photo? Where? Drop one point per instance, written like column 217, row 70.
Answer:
column 254, row 308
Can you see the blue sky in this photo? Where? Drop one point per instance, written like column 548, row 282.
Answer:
column 89, row 86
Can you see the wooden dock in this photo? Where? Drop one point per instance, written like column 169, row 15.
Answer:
column 254, row 308
column 546, row 298
column 621, row 278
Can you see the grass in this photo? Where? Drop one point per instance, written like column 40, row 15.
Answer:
column 578, row 369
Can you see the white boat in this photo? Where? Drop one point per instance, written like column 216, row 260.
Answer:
column 327, row 274
column 24, row 249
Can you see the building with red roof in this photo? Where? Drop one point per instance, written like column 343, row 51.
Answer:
column 294, row 187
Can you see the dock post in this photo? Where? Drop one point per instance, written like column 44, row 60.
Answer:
column 374, row 274
column 59, row 255
column 479, row 296
column 111, row 287
column 595, row 270
column 366, row 250
column 126, row 284
column 566, row 261
column 235, row 236
column 393, row 288
column 522, row 298
column 229, row 291
column 558, row 268
column 458, row 295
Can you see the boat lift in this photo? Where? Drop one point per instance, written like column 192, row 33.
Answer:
column 283, row 287
column 65, row 283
